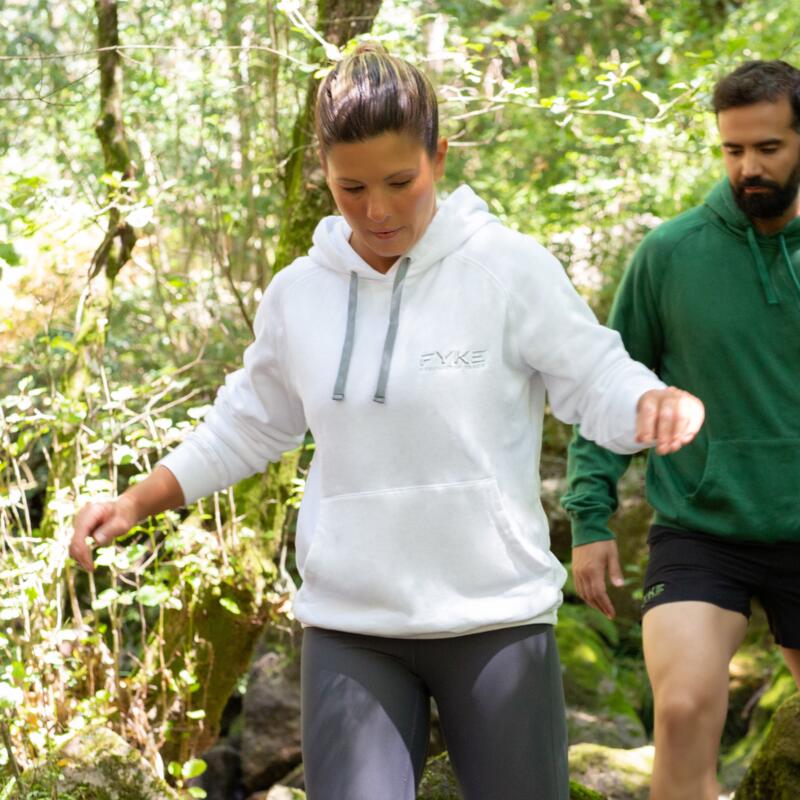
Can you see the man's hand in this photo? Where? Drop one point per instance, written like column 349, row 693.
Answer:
column 590, row 563
column 104, row 522
column 668, row 419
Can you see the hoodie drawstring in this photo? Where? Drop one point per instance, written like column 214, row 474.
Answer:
column 769, row 289
column 391, row 332
column 349, row 336
column 788, row 258
column 388, row 345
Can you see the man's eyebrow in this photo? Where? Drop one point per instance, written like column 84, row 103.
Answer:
column 762, row 143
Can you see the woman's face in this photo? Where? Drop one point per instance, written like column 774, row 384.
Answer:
column 384, row 188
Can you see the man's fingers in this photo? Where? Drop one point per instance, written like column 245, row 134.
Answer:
column 614, row 569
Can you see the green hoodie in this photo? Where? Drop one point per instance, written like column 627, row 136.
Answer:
column 713, row 307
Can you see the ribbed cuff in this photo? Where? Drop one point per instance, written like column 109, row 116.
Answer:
column 589, row 529
column 190, row 465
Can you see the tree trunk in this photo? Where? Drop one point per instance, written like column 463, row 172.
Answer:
column 111, row 255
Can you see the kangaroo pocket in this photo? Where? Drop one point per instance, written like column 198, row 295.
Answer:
column 749, row 489
column 413, row 552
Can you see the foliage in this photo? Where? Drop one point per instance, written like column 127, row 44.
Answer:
column 584, row 123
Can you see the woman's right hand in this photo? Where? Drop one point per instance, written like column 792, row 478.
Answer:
column 103, row 522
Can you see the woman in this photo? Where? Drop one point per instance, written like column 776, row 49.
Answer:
column 416, row 342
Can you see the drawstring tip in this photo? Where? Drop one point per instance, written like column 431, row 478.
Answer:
column 338, row 396
column 379, row 399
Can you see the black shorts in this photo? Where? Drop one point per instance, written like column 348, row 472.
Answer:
column 685, row 565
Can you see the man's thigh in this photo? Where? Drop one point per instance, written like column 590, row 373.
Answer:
column 688, row 646
column 365, row 717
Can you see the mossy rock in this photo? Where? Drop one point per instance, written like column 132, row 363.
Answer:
column 596, row 686
column 97, row 764
column 775, row 771
column 439, row 783
column 737, row 760
column 618, row 773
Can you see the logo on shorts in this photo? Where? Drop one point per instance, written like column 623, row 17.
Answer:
column 654, row 591
column 453, row 359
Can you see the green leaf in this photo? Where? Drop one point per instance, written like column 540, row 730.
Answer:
column 151, row 595
column 197, row 791
column 9, row 254
column 193, row 767
column 230, row 605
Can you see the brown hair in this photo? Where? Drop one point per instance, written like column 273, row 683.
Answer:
column 758, row 81
column 371, row 92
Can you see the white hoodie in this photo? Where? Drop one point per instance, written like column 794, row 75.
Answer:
column 421, row 515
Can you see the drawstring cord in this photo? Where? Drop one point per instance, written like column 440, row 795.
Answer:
column 769, row 290
column 349, row 336
column 391, row 332
column 388, row 345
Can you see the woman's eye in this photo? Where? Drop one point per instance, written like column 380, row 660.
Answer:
column 399, row 184
column 352, row 189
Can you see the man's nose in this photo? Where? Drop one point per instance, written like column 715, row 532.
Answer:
column 751, row 165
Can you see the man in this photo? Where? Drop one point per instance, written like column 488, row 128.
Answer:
column 711, row 302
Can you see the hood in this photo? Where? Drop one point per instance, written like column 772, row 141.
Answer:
column 728, row 214
column 455, row 221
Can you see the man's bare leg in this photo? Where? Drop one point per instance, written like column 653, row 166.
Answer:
column 688, row 647
column 792, row 659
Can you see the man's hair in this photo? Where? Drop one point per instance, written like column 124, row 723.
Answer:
column 759, row 81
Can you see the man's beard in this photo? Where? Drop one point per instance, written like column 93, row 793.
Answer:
column 769, row 204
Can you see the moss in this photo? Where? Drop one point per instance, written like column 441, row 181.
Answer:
column 737, row 760
column 439, row 783
column 592, row 679
column 775, row 771
column 96, row 764
column 621, row 774
column 579, row 792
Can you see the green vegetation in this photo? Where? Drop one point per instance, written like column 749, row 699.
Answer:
column 582, row 123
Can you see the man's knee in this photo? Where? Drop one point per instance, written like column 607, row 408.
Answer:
column 681, row 709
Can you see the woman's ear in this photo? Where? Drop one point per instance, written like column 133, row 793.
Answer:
column 439, row 158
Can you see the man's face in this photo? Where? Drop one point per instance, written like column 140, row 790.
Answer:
column 762, row 156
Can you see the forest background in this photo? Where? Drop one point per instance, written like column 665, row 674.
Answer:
column 156, row 169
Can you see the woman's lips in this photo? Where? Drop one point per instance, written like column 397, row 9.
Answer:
column 389, row 234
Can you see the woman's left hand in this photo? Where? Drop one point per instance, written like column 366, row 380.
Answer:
column 667, row 419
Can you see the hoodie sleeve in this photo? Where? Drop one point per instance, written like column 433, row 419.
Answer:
column 256, row 417
column 589, row 376
column 592, row 471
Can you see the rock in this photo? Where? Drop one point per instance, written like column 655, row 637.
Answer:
column 775, row 771
column 599, row 693
column 278, row 792
column 737, row 760
column 621, row 774
column 271, row 734
column 439, row 783
column 222, row 779
column 100, row 765
column 609, row 729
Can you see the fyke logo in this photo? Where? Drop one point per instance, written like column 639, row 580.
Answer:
column 453, row 359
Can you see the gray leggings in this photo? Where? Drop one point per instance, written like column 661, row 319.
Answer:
column 366, row 714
